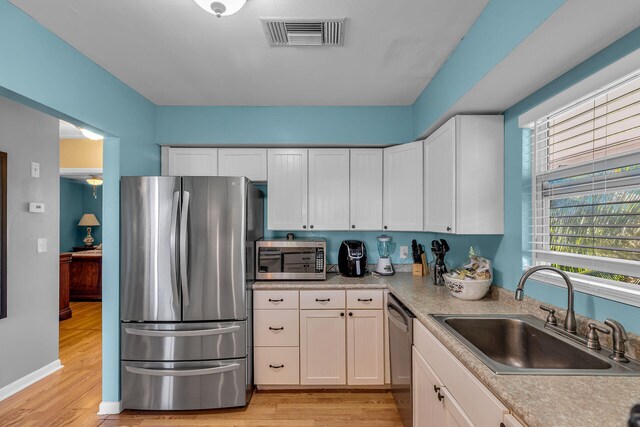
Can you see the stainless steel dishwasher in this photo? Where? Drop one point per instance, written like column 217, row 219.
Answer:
column 400, row 342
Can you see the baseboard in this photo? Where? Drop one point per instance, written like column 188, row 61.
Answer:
column 27, row 380
column 108, row 408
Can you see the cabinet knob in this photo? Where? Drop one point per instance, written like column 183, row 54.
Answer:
column 341, row 314
column 304, row 226
column 385, row 227
column 436, row 388
column 311, row 226
column 350, row 314
column 353, row 226
column 440, row 397
column 448, row 228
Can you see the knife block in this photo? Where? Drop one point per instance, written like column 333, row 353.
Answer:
column 418, row 270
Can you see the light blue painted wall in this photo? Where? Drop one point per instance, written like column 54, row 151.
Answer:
column 514, row 247
column 76, row 199
column 284, row 125
column 501, row 26
column 42, row 71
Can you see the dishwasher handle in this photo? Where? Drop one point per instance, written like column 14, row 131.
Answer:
column 392, row 306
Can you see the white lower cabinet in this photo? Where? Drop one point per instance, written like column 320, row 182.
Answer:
column 365, row 347
column 338, row 337
column 322, row 347
column 446, row 393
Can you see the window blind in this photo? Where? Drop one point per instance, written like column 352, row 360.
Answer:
column 586, row 185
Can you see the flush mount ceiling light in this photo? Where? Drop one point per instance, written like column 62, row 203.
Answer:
column 91, row 135
column 221, row 7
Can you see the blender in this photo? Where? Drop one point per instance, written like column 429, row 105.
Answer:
column 385, row 247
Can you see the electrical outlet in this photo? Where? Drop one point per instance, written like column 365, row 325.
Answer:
column 404, row 252
column 35, row 170
column 42, row 244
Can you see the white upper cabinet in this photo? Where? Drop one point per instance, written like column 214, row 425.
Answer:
column 249, row 162
column 329, row 189
column 403, row 181
column 366, row 189
column 464, row 176
column 190, row 161
column 440, row 180
column 287, row 189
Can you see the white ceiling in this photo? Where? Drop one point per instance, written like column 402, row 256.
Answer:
column 174, row 53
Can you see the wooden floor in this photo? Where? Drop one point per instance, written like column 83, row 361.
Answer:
column 71, row 396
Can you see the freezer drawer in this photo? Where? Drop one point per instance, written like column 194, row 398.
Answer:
column 184, row 385
column 183, row 341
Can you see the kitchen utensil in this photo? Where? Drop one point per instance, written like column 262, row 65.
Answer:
column 385, row 248
column 439, row 250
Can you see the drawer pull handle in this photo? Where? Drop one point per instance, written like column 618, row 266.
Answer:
column 323, row 300
column 276, row 366
column 276, row 300
column 365, row 299
column 182, row 372
column 185, row 333
column 276, row 329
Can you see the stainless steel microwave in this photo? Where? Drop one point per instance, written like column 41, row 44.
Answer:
column 299, row 259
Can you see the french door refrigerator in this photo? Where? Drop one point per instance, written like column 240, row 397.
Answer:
column 187, row 266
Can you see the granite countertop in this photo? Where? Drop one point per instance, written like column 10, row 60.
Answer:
column 538, row 400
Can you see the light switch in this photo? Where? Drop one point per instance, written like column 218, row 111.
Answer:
column 36, row 207
column 35, row 170
column 42, row 244
column 404, row 251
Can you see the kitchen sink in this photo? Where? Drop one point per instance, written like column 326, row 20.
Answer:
column 521, row 344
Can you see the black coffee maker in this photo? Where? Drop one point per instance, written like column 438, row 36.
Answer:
column 352, row 258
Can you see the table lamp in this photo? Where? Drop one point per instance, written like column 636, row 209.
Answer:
column 88, row 220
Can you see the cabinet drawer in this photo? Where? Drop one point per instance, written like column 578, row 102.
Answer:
column 482, row 407
column 365, row 298
column 276, row 365
column 276, row 328
column 267, row 300
column 316, row 300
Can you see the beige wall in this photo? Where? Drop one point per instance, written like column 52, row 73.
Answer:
column 80, row 153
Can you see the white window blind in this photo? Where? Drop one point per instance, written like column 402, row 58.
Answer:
column 586, row 185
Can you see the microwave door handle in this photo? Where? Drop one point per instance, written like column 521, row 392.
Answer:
column 172, row 246
column 184, row 258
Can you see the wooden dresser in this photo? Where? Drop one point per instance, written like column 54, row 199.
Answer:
column 65, row 275
column 86, row 276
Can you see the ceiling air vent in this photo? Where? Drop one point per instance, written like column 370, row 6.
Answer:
column 304, row 32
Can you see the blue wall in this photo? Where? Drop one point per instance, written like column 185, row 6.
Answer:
column 514, row 249
column 42, row 71
column 76, row 199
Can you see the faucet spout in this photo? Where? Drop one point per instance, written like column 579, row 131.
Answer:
column 570, row 319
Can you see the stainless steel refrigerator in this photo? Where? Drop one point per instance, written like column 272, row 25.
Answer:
column 187, row 266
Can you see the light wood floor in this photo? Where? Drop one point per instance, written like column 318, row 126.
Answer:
column 71, row 396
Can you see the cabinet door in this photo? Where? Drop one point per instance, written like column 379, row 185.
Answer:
column 440, row 179
column 329, row 189
column 428, row 403
column 287, row 190
column 193, row 162
column 322, row 347
column 365, row 347
column 454, row 414
column 366, row 189
column 402, row 197
column 249, row 162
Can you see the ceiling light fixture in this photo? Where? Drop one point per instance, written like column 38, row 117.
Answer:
column 94, row 181
column 221, row 7
column 91, row 135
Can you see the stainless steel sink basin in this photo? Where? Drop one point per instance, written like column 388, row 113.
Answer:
column 513, row 344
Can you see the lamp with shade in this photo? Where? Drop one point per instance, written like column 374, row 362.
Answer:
column 88, row 220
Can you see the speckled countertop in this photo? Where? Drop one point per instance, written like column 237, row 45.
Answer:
column 535, row 399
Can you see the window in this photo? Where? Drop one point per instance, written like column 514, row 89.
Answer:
column 586, row 187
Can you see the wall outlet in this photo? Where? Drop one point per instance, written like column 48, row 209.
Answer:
column 404, row 252
column 35, row 170
column 42, row 244
column 36, row 207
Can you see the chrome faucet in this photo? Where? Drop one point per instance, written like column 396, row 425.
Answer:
column 570, row 319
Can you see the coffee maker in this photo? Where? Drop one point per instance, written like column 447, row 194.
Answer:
column 352, row 258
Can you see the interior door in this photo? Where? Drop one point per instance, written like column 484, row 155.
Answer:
column 149, row 212
column 212, row 255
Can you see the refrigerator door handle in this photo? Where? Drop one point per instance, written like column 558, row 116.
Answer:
column 172, row 247
column 182, row 372
column 189, row 333
column 183, row 248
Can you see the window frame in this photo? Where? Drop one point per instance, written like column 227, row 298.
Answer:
column 605, row 288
